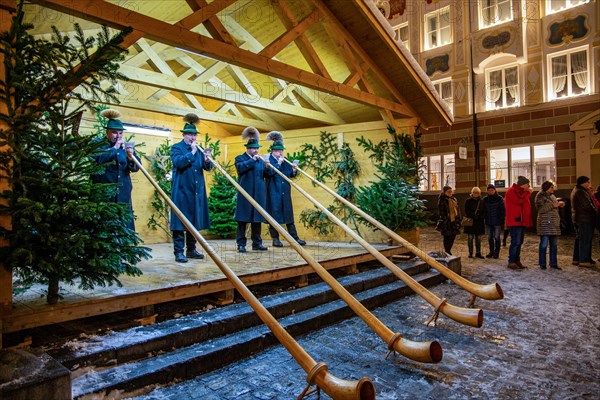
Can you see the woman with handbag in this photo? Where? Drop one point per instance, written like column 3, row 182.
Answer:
column 473, row 222
column 449, row 218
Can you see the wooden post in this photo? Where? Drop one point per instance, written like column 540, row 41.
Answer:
column 6, row 286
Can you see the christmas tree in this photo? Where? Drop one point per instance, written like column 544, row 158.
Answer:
column 64, row 227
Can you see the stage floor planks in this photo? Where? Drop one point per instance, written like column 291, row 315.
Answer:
column 165, row 280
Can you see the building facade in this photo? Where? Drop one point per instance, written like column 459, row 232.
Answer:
column 521, row 78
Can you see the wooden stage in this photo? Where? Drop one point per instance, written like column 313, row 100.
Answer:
column 164, row 280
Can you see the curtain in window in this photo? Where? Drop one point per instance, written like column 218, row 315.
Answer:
column 512, row 82
column 559, row 74
column 579, row 67
column 495, row 86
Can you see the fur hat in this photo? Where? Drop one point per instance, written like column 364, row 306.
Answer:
column 521, row 180
column 190, row 120
column 277, row 139
column 113, row 122
column 253, row 136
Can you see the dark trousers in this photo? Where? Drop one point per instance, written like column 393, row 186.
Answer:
column 240, row 236
column 448, row 243
column 517, row 235
column 582, row 250
column 291, row 228
column 181, row 240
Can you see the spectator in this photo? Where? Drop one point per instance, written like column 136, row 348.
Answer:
column 584, row 217
column 252, row 172
column 188, row 190
column 449, row 220
column 475, row 209
column 518, row 217
column 597, row 202
column 494, row 219
column 548, row 224
column 279, row 197
column 117, row 157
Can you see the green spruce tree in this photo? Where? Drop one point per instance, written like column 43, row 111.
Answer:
column 221, row 204
column 64, row 228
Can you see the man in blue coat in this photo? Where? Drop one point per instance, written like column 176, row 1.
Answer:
column 279, row 198
column 252, row 172
column 117, row 159
column 188, row 190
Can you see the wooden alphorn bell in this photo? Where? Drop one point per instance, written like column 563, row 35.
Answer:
column 492, row 291
column 430, row 352
column 317, row 373
column 467, row 316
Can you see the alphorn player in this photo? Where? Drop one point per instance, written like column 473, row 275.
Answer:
column 188, row 190
column 279, row 198
column 117, row 158
column 252, row 172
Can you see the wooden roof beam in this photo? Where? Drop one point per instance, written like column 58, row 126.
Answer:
column 118, row 17
column 290, row 35
column 206, row 14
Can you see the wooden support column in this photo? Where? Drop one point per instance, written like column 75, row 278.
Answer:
column 225, row 297
column 6, row 286
column 351, row 269
column 301, row 281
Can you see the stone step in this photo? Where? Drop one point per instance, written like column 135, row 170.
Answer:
column 139, row 342
column 182, row 362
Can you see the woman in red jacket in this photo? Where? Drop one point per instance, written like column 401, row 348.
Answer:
column 518, row 217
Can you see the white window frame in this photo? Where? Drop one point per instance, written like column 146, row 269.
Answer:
column 449, row 100
column 569, row 82
column 446, row 177
column 533, row 161
column 491, row 105
column 484, row 21
column 568, row 4
column 397, row 36
column 441, row 15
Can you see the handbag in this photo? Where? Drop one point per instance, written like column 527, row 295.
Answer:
column 468, row 221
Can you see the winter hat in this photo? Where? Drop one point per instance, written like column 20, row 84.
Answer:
column 582, row 179
column 277, row 139
column 491, row 186
column 190, row 120
column 446, row 188
column 113, row 122
column 547, row 185
column 253, row 136
column 521, row 180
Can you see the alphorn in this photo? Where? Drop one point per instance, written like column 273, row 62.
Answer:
column 467, row 316
column 492, row 291
column 430, row 352
column 317, row 373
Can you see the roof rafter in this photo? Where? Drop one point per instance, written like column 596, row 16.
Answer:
column 174, row 35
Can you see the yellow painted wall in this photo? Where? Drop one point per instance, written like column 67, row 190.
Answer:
column 294, row 139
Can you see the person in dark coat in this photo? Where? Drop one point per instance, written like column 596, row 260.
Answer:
column 449, row 218
column 494, row 220
column 279, row 197
column 548, row 224
column 188, row 190
column 252, row 172
column 475, row 208
column 117, row 158
column 584, row 216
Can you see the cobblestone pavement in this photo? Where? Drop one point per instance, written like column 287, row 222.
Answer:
column 541, row 341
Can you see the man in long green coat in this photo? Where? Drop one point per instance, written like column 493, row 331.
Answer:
column 188, row 190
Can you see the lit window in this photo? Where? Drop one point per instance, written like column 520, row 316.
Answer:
column 401, row 33
column 502, row 88
column 506, row 164
column 553, row 6
column 568, row 73
column 437, row 171
column 444, row 89
column 493, row 12
column 438, row 31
